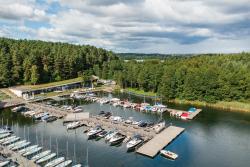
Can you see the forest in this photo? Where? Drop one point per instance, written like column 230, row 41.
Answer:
column 209, row 78
column 205, row 77
column 33, row 62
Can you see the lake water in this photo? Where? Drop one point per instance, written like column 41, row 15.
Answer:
column 214, row 138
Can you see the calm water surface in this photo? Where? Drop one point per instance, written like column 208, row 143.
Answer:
column 213, row 138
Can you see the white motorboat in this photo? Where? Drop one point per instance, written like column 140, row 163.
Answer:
column 110, row 135
column 73, row 125
column 32, row 151
column 55, row 162
column 41, row 155
column 94, row 131
column 168, row 154
column 135, row 141
column 20, row 146
column 159, row 127
column 40, row 115
column 117, row 138
column 65, row 163
column 12, row 140
column 46, row 158
column 27, row 149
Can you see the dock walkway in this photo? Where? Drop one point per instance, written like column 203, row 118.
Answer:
column 152, row 147
column 193, row 114
column 15, row 157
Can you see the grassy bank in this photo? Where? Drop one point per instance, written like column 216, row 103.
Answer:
column 232, row 106
column 139, row 92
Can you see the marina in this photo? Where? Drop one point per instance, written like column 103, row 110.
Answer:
column 124, row 121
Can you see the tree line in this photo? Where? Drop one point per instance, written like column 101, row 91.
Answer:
column 210, row 78
column 207, row 77
column 32, row 61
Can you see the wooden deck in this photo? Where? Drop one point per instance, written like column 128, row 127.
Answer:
column 193, row 114
column 153, row 146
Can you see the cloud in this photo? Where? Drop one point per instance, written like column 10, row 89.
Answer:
column 133, row 25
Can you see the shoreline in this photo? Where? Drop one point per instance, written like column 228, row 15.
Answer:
column 234, row 106
column 222, row 105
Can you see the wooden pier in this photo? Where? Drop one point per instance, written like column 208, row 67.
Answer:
column 153, row 146
column 11, row 103
column 193, row 114
column 15, row 157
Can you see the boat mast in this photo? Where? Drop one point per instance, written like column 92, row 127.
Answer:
column 87, row 158
column 56, row 147
column 67, row 150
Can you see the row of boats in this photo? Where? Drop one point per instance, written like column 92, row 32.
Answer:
column 43, row 116
column 114, row 137
column 157, row 108
column 33, row 152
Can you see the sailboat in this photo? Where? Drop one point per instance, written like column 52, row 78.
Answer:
column 65, row 163
column 4, row 135
column 46, row 158
column 27, row 149
column 32, row 151
column 11, row 140
column 41, row 155
column 16, row 144
column 55, row 162
column 20, row 146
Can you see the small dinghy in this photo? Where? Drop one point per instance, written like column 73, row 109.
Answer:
column 169, row 154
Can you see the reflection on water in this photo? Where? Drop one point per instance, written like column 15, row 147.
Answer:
column 214, row 138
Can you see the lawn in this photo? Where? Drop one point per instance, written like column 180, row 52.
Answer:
column 39, row 86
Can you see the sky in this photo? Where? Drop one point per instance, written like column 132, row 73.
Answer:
column 136, row 26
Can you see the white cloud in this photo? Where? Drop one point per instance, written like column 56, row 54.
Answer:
column 136, row 25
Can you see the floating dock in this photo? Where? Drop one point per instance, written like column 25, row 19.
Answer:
column 193, row 114
column 153, row 146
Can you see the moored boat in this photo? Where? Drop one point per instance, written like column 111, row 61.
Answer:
column 4, row 163
column 27, row 149
column 73, row 125
column 46, row 158
column 41, row 155
column 117, row 138
column 20, row 146
column 55, row 162
column 135, row 141
column 168, row 154
column 32, row 151
column 65, row 164
column 94, row 131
